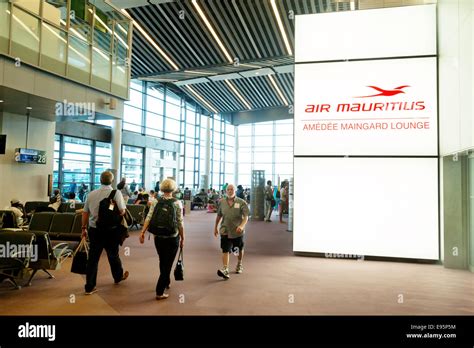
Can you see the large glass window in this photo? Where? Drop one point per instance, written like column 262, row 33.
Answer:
column 266, row 146
column 132, row 118
column 156, row 166
column 57, row 156
column 76, row 162
column 103, row 160
column 154, row 124
column 132, row 164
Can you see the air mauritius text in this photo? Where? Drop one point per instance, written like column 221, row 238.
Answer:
column 367, row 107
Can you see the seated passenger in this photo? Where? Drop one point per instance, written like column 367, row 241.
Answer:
column 18, row 210
column 55, row 201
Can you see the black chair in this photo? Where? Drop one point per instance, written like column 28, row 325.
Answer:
column 13, row 266
column 30, row 207
column 71, row 237
column 41, row 221
column 48, row 257
column 61, row 225
column 138, row 214
column 197, row 202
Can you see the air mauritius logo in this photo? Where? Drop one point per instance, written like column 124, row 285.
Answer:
column 389, row 104
column 383, row 111
column 385, row 92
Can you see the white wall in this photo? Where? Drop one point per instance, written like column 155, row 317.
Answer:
column 26, row 182
column 456, row 79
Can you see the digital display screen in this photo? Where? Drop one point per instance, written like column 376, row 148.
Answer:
column 30, row 156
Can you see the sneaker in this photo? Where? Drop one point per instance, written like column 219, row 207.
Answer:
column 93, row 291
column 125, row 276
column 239, row 268
column 162, row 297
column 224, row 273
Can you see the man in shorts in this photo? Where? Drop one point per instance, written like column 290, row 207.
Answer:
column 234, row 213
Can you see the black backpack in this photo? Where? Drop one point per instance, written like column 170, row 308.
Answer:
column 164, row 219
column 108, row 219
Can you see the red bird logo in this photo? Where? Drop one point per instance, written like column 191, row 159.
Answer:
column 385, row 92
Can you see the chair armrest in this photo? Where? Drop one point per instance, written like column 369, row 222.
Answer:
column 61, row 251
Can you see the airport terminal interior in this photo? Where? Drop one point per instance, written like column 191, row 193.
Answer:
column 212, row 93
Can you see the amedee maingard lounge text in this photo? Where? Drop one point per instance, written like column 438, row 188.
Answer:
column 364, row 124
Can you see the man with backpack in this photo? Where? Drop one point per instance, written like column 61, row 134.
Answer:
column 165, row 221
column 103, row 211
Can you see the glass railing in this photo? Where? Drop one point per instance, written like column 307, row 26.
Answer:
column 87, row 41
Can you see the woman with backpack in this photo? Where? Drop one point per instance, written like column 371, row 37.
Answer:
column 165, row 221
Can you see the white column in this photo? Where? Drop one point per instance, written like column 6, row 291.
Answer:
column 236, row 156
column 208, row 155
column 116, row 149
column 147, row 175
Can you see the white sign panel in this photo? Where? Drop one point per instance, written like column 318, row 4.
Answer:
column 381, row 33
column 369, row 108
column 367, row 207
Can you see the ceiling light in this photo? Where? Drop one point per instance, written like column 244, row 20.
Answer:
column 211, row 29
column 202, row 99
column 259, row 72
column 192, row 81
column 29, row 108
column 250, row 66
column 238, row 94
column 199, row 72
column 221, row 77
column 152, row 42
column 156, row 79
column 282, row 97
column 1, row 101
column 280, row 25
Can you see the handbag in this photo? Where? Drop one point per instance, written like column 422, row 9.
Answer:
column 80, row 256
column 179, row 269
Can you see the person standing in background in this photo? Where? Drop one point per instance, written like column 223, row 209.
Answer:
column 73, row 187
column 283, row 199
column 268, row 194
column 133, row 186
column 124, row 190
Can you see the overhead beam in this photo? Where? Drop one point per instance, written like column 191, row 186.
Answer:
column 264, row 115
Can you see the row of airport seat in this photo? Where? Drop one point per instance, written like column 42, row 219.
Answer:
column 34, row 252
column 32, row 206
column 55, row 235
